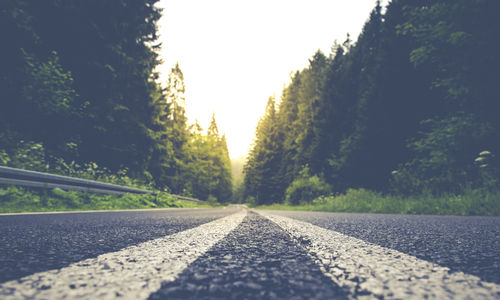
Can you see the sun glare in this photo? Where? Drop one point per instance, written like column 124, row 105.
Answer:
column 235, row 54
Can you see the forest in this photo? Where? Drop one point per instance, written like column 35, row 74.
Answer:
column 80, row 94
column 409, row 108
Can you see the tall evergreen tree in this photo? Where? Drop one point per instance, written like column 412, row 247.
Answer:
column 409, row 106
column 178, row 133
column 221, row 183
column 106, row 46
column 262, row 167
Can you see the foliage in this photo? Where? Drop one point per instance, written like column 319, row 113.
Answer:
column 207, row 173
column 80, row 96
column 406, row 109
column 305, row 188
column 184, row 160
column 18, row 199
column 49, row 88
column 470, row 202
column 445, row 157
column 80, row 72
column 262, row 167
column 31, row 156
column 27, row 155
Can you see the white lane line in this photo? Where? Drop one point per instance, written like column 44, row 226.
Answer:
column 131, row 273
column 362, row 268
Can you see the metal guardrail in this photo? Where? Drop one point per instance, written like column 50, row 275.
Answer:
column 190, row 199
column 45, row 180
column 13, row 176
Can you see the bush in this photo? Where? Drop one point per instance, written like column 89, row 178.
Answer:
column 21, row 199
column 32, row 156
column 27, row 155
column 482, row 202
column 306, row 188
column 360, row 200
column 446, row 158
column 251, row 201
column 212, row 200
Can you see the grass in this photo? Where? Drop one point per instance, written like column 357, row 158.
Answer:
column 472, row 202
column 17, row 199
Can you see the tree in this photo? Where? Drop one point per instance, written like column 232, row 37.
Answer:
column 411, row 102
column 37, row 92
column 178, row 133
column 109, row 48
column 447, row 39
column 160, row 161
column 262, row 168
column 77, row 78
column 220, row 183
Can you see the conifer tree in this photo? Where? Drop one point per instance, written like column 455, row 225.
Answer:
column 262, row 167
column 220, row 183
column 178, row 131
column 407, row 106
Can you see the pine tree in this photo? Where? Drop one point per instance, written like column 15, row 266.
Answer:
column 220, row 183
column 178, row 131
column 101, row 52
column 262, row 176
column 160, row 131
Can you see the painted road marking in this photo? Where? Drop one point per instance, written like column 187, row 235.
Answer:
column 133, row 272
column 362, row 268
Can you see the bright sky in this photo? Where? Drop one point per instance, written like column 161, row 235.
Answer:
column 235, row 54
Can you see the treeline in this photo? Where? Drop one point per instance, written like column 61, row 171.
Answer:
column 78, row 81
column 410, row 107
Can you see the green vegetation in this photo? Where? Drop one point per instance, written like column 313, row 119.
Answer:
column 79, row 96
column 17, row 199
column 32, row 156
column 471, row 202
column 405, row 119
column 305, row 188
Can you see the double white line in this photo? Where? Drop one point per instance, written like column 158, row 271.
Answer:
column 361, row 268
column 133, row 272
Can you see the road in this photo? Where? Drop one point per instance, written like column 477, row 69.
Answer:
column 237, row 253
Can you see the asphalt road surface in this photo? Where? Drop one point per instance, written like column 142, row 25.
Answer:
column 237, row 253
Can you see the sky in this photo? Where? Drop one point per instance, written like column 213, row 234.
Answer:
column 235, row 54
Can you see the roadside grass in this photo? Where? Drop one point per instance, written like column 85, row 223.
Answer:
column 472, row 202
column 18, row 199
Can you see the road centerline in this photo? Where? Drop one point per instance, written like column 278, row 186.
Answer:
column 363, row 268
column 135, row 271
column 257, row 260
